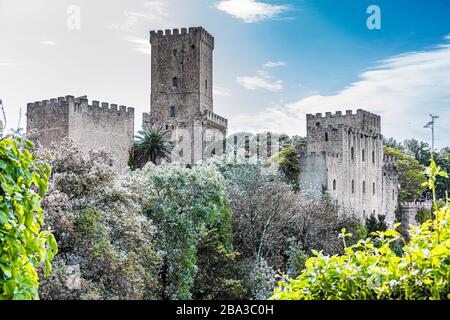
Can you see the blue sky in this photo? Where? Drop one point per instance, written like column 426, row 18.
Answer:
column 274, row 60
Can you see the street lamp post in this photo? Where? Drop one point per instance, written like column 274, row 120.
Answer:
column 431, row 125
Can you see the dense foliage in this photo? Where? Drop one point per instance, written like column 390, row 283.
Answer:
column 23, row 246
column 369, row 271
column 107, row 248
column 273, row 227
column 410, row 174
column 421, row 152
column 190, row 211
column 151, row 145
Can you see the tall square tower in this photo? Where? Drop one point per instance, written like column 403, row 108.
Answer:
column 345, row 156
column 182, row 93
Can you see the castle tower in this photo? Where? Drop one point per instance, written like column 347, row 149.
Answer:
column 345, row 156
column 93, row 125
column 182, row 93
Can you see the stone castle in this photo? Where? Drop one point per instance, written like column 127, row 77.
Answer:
column 94, row 126
column 182, row 92
column 343, row 153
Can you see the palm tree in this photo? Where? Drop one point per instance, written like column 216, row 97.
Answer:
column 152, row 144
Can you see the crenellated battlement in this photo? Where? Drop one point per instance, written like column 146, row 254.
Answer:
column 211, row 116
column 361, row 120
column 193, row 32
column 95, row 106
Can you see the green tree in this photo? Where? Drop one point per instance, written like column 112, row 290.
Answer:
column 410, row 174
column 288, row 161
column 23, row 246
column 443, row 185
column 420, row 150
column 152, row 145
column 185, row 206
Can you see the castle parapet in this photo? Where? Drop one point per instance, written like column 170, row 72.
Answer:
column 362, row 120
column 216, row 119
column 82, row 101
column 168, row 34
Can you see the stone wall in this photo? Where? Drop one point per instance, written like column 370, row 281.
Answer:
column 345, row 155
column 94, row 126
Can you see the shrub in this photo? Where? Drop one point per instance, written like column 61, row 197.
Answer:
column 367, row 271
column 100, row 229
column 23, row 246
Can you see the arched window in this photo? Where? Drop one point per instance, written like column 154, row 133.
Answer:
column 173, row 112
column 326, row 136
column 373, row 187
column 175, row 82
column 334, row 184
column 353, row 153
column 353, row 186
column 363, row 155
column 364, row 187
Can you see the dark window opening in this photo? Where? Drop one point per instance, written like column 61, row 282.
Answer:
column 353, row 186
column 326, row 136
column 175, row 82
column 334, row 185
column 374, row 189
column 363, row 155
column 206, row 84
column 213, row 153
column 364, row 187
column 247, row 147
column 353, row 153
column 269, row 145
column 373, row 156
column 173, row 112
column 193, row 46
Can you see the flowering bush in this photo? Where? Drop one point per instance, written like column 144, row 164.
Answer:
column 374, row 271
column 100, row 231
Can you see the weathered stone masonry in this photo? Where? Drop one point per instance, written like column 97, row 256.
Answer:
column 345, row 155
column 94, row 126
column 182, row 93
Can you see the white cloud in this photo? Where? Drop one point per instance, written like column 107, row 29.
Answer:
column 250, row 10
column 274, row 64
column 8, row 64
column 263, row 80
column 221, row 92
column 48, row 42
column 259, row 82
column 403, row 89
column 141, row 45
column 155, row 13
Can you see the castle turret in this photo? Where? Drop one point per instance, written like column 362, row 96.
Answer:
column 182, row 91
